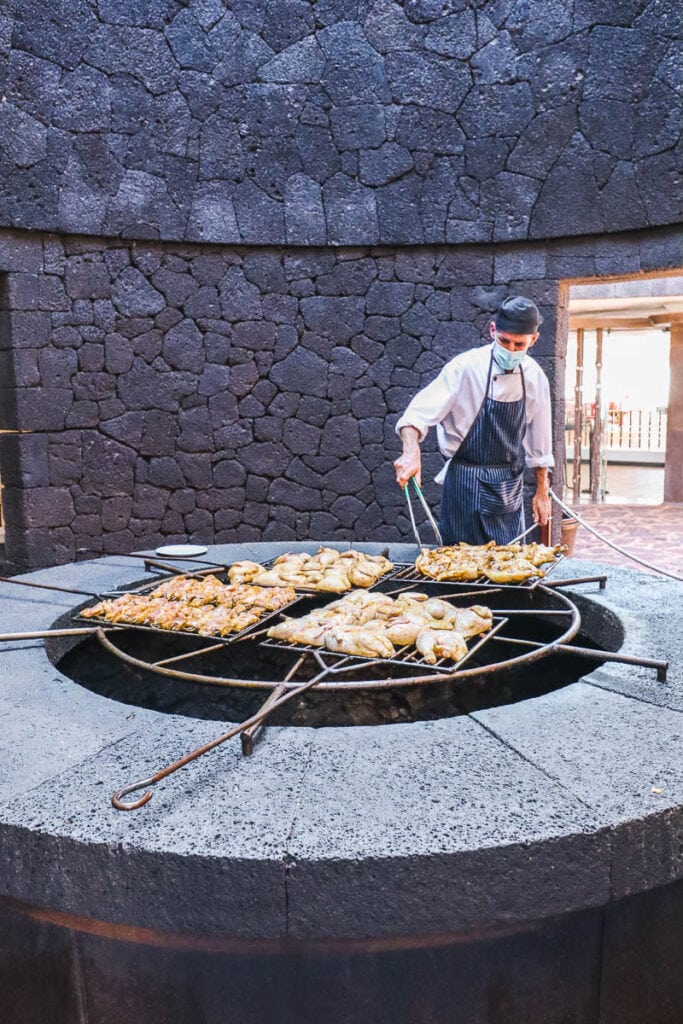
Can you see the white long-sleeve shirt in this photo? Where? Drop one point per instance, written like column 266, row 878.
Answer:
column 451, row 403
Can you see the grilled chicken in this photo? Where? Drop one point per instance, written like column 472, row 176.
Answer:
column 361, row 641
column 404, row 630
column 373, row 625
column 205, row 606
column 505, row 563
column 434, row 644
column 473, row 621
column 244, row 572
column 328, row 570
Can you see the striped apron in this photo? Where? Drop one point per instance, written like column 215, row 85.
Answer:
column 483, row 489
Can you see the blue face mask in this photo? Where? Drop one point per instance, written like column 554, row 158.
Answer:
column 505, row 359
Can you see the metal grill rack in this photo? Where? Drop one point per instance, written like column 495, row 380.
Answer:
column 315, row 592
column 405, row 656
column 406, row 571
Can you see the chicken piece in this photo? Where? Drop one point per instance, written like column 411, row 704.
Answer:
column 360, row 641
column 404, row 630
column 439, row 609
column 269, row 578
column 334, row 582
column 473, row 621
column 325, row 556
column 434, row 644
column 361, row 575
column 244, row 572
column 98, row 610
column 292, row 559
column 300, row 631
column 539, row 554
column 515, row 570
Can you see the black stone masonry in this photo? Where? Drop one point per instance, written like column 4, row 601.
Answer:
column 236, row 239
column 339, row 122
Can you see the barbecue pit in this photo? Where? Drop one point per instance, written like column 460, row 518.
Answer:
column 444, row 844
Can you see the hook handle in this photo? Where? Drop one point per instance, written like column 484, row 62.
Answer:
column 132, row 805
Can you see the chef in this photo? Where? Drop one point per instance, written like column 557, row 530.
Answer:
column 491, row 410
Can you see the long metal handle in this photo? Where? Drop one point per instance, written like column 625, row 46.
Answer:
column 131, row 805
column 46, row 586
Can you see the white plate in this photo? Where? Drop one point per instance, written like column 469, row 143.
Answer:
column 179, row 550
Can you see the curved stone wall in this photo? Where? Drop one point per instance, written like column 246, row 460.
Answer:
column 223, row 394
column 339, row 122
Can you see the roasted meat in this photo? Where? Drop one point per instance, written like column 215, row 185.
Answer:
column 329, row 571
column 506, row 563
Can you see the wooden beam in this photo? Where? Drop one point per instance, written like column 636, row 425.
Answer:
column 592, row 321
column 578, row 418
column 611, row 323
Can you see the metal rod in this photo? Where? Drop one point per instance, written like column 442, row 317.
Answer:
column 189, row 654
column 46, row 586
column 250, row 735
column 610, row 544
column 599, row 655
column 121, row 805
column 538, row 611
column 515, row 540
column 428, row 512
column 178, row 571
column 553, row 584
column 596, row 436
column 45, row 633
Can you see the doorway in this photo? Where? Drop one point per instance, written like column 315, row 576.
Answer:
column 622, row 443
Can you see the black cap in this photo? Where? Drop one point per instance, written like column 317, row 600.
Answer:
column 518, row 316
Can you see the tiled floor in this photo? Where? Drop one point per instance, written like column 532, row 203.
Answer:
column 652, row 532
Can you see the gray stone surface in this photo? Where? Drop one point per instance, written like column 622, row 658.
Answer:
column 279, row 123
column 560, row 803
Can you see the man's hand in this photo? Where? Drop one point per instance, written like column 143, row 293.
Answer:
column 541, row 506
column 540, row 503
column 410, row 462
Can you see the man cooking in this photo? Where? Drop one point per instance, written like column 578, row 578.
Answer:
column 491, row 409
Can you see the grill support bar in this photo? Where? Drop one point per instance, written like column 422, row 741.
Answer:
column 250, row 735
column 661, row 667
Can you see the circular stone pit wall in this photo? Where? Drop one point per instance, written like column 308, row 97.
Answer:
column 485, row 850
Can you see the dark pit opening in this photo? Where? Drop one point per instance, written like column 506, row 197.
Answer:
column 372, row 693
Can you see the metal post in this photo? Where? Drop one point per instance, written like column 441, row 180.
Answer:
column 596, row 436
column 578, row 418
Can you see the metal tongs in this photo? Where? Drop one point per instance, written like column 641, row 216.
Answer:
column 425, row 506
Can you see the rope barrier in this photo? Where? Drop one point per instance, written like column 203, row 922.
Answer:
column 611, row 544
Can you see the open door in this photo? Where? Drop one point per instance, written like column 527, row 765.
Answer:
column 624, row 392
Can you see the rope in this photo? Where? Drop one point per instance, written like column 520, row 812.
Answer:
column 634, row 558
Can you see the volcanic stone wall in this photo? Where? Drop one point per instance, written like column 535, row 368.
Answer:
column 339, row 122
column 235, row 238
column 196, row 392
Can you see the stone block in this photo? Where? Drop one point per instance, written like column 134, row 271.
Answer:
column 48, row 507
column 427, row 81
column 107, row 466
column 350, row 211
column 337, row 318
column 301, row 371
column 29, row 329
column 304, row 212
column 183, row 347
column 43, row 408
column 133, row 295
